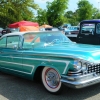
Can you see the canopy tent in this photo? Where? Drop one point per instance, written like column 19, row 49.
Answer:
column 28, row 28
column 25, row 26
column 23, row 23
column 45, row 26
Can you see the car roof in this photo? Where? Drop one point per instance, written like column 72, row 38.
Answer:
column 22, row 33
column 91, row 21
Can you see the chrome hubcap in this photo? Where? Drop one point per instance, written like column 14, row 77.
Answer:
column 52, row 78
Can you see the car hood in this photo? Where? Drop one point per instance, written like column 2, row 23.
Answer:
column 89, row 53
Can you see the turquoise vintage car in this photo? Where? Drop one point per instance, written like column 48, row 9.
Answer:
column 51, row 57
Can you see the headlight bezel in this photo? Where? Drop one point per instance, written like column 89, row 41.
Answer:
column 84, row 67
column 77, row 65
column 80, row 65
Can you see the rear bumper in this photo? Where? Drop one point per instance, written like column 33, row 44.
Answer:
column 80, row 81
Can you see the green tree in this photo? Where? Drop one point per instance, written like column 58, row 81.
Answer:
column 72, row 17
column 55, row 12
column 96, row 13
column 69, row 14
column 16, row 10
column 85, row 10
column 42, row 17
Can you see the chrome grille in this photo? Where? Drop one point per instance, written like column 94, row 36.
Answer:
column 90, row 69
column 93, row 68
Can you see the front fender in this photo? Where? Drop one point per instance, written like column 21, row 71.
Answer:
column 59, row 65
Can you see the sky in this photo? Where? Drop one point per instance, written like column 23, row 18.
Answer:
column 72, row 5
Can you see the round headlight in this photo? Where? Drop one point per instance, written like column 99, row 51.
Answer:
column 84, row 67
column 77, row 65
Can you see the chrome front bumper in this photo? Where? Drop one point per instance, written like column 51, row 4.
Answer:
column 80, row 81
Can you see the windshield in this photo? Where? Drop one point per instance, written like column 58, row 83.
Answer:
column 45, row 38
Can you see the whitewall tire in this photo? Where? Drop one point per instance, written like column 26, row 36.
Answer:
column 51, row 80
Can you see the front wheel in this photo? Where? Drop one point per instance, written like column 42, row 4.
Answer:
column 51, row 80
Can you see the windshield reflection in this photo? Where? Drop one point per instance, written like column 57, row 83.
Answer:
column 45, row 38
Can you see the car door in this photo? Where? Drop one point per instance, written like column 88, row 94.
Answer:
column 2, row 46
column 12, row 55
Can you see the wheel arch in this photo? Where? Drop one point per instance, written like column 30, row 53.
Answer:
column 38, row 71
column 37, row 74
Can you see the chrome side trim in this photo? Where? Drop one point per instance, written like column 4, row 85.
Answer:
column 18, row 64
column 66, row 62
column 61, row 55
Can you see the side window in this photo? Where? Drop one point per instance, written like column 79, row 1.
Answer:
column 3, row 42
column 98, row 28
column 41, row 38
column 37, row 40
column 28, row 39
column 12, row 41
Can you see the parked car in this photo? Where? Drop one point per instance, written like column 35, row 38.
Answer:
column 89, row 32
column 49, row 29
column 6, row 31
column 64, row 26
column 72, row 30
column 1, row 31
column 51, row 57
column 61, row 28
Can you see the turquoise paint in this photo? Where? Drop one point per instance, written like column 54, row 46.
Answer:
column 24, row 61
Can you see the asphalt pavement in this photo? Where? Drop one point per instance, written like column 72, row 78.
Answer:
column 15, row 88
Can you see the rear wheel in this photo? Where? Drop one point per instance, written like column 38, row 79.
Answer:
column 51, row 80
